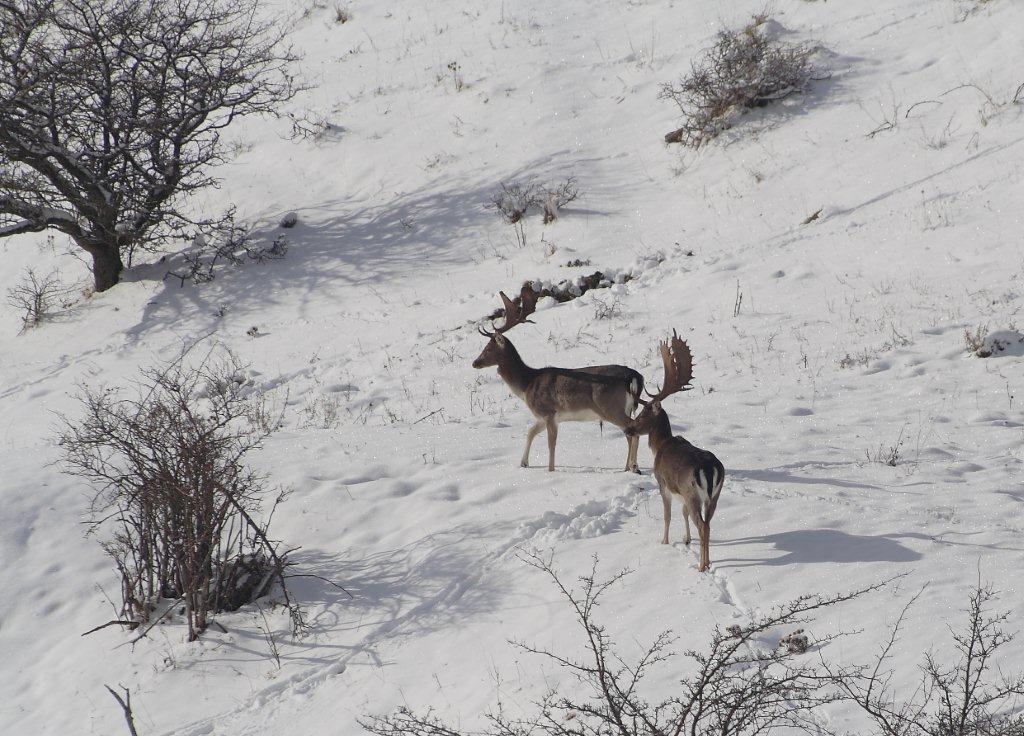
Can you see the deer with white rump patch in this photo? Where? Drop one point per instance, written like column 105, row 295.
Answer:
column 682, row 470
column 608, row 393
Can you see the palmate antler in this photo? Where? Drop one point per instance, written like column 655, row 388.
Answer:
column 678, row 360
column 515, row 315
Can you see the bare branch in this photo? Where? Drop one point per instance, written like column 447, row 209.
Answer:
column 126, row 706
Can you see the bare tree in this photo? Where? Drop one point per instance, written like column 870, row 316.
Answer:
column 178, row 509
column 111, row 114
column 741, row 685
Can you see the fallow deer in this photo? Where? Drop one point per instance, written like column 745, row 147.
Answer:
column 607, row 393
column 682, row 470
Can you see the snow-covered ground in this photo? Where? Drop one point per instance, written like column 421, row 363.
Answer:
column 848, row 342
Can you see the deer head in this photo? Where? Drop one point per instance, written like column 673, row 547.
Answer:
column 678, row 363
column 497, row 344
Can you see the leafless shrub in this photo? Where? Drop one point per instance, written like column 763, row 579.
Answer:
column 35, row 296
column 307, row 125
column 324, row 411
column 607, row 310
column 860, row 359
column 342, row 14
column 176, row 505
column 889, row 115
column 458, row 81
column 738, row 686
column 513, row 199
column 230, row 243
column 966, row 694
column 268, row 636
column 744, row 69
column 891, row 455
column 557, row 196
column 976, row 341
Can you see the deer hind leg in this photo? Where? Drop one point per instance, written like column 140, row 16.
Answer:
column 686, row 520
column 552, row 427
column 704, row 528
column 534, row 431
column 666, row 500
column 631, row 465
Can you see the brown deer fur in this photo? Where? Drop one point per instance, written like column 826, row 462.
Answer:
column 683, row 470
column 606, row 393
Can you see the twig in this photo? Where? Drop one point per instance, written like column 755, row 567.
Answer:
column 126, row 706
column 428, row 416
column 159, row 618
column 813, row 217
column 906, row 115
column 115, row 622
column 320, row 577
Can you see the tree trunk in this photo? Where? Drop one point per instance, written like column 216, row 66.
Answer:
column 106, row 267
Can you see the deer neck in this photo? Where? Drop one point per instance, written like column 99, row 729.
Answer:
column 514, row 371
column 661, row 433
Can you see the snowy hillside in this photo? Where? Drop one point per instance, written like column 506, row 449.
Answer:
column 821, row 350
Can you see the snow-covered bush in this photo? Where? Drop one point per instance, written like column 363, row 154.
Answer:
column 514, row 199
column 984, row 344
column 176, row 507
column 746, row 68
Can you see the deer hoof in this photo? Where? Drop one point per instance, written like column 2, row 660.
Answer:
column 524, row 464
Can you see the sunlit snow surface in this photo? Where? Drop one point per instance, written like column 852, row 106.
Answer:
column 849, row 342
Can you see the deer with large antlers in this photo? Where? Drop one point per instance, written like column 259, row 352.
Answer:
column 683, row 470
column 608, row 393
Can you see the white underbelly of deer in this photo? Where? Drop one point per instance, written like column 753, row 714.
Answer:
column 579, row 415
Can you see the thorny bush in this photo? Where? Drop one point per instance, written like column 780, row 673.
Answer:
column 745, row 69
column 181, row 516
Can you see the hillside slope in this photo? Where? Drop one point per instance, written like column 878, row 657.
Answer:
column 846, row 347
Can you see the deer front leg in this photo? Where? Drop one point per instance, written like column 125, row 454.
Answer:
column 666, row 501
column 534, row 431
column 552, row 427
column 686, row 520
